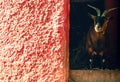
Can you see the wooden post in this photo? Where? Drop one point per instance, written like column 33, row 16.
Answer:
column 112, row 30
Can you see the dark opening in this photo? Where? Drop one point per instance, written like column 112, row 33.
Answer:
column 80, row 22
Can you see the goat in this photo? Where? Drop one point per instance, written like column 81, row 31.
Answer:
column 96, row 36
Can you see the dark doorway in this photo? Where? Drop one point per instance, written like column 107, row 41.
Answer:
column 80, row 22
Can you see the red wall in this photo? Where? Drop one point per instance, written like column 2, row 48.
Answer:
column 34, row 40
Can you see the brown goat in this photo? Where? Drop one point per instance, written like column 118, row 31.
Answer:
column 96, row 37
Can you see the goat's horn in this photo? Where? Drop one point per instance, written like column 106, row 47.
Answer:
column 106, row 11
column 97, row 10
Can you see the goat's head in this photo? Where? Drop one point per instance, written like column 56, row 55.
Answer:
column 101, row 20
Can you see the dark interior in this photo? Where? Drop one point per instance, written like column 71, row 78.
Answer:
column 80, row 22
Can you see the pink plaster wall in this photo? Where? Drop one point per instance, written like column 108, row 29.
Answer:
column 34, row 40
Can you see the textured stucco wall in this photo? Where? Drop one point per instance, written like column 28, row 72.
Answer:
column 34, row 40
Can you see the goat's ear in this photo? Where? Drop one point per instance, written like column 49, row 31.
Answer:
column 92, row 16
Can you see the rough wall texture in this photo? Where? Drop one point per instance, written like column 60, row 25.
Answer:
column 33, row 40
